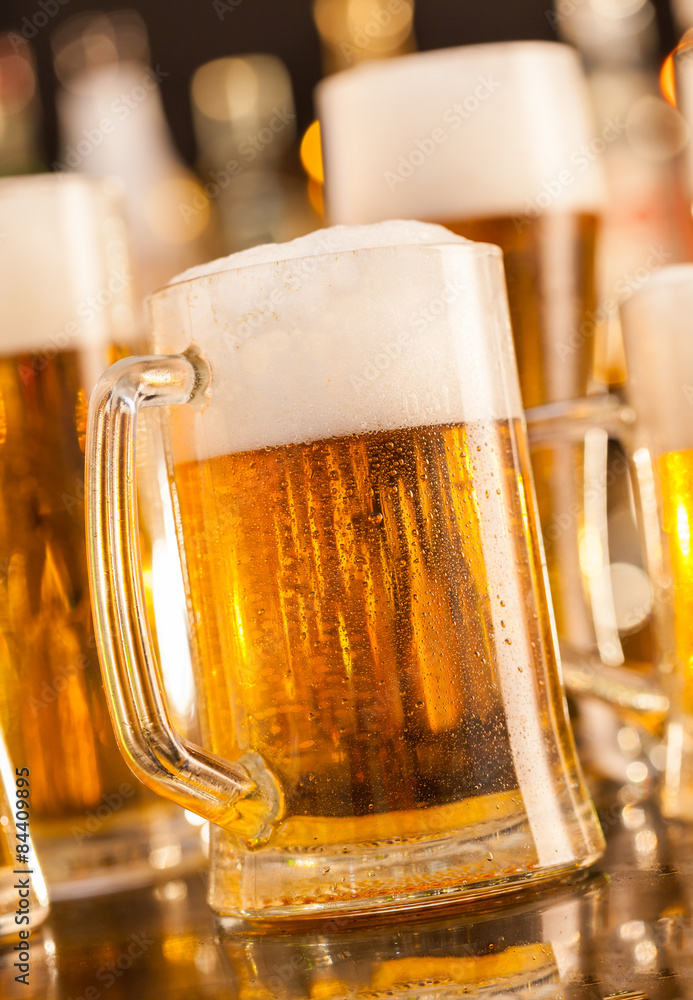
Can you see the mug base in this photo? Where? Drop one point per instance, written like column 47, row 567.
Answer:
column 348, row 878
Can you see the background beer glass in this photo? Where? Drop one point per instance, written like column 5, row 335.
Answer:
column 65, row 286
column 497, row 142
column 380, row 699
column 657, row 332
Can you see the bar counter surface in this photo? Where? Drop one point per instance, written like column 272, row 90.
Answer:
column 625, row 929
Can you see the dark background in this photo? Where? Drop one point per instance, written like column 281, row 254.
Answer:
column 185, row 33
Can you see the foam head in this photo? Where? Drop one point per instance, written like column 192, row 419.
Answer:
column 471, row 132
column 64, row 272
column 349, row 330
column 657, row 324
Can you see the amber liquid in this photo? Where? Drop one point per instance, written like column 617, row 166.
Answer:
column 52, row 700
column 352, row 603
column 676, row 484
column 549, row 271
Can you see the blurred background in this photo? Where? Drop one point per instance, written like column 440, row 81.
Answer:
column 183, row 36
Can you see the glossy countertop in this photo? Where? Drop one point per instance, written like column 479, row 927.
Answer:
column 625, row 927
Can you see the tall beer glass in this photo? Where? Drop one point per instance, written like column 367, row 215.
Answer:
column 382, row 712
column 65, row 287
column 658, row 338
column 496, row 142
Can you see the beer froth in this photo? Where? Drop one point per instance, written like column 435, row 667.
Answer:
column 315, row 342
column 465, row 132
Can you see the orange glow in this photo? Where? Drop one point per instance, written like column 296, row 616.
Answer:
column 315, row 195
column 311, row 153
column 666, row 79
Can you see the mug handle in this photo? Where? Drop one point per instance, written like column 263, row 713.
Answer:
column 573, row 420
column 243, row 796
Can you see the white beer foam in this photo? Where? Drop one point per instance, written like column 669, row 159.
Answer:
column 65, row 277
column 405, row 325
column 469, row 132
column 656, row 324
column 335, row 239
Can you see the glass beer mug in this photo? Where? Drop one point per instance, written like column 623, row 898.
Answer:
column 68, row 309
column 382, row 714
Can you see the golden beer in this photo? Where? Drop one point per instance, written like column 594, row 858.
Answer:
column 53, row 706
column 346, row 625
column 549, row 272
column 676, row 485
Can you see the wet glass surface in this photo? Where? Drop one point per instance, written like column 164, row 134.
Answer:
column 625, row 927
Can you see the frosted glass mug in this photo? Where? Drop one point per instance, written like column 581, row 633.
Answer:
column 382, row 713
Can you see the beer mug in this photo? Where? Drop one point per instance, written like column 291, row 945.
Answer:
column 656, row 324
column 65, row 284
column 498, row 142
column 382, row 713
column 23, row 895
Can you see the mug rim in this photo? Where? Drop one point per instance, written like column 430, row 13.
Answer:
column 468, row 247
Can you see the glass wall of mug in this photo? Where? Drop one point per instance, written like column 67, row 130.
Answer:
column 659, row 351
column 498, row 143
column 67, row 308
column 382, row 713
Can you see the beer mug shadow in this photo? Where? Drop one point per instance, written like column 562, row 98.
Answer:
column 538, row 949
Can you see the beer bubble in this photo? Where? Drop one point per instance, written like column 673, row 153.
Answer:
column 508, row 642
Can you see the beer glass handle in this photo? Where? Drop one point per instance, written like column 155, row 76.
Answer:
column 573, row 420
column 244, row 796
